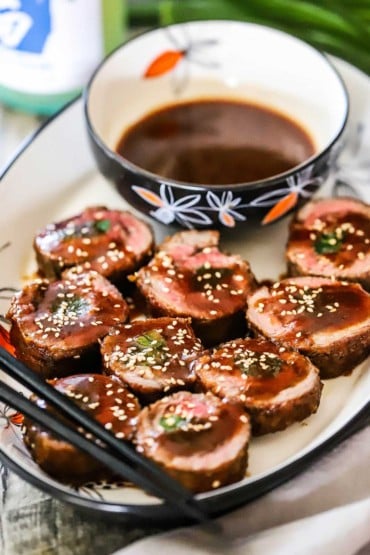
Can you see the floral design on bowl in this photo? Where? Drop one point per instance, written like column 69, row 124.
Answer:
column 196, row 209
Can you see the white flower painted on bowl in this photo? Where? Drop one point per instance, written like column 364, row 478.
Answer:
column 225, row 206
column 285, row 198
column 170, row 210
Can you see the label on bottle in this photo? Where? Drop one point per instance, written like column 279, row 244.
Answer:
column 49, row 46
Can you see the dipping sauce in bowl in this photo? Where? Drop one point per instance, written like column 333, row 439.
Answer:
column 216, row 123
column 216, row 142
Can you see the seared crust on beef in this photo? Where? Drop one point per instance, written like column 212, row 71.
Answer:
column 152, row 357
column 55, row 327
column 98, row 396
column 111, row 242
column 190, row 277
column 331, row 238
column 197, row 438
column 277, row 387
column 326, row 320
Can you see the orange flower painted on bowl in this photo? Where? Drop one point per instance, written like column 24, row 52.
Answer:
column 281, row 208
column 285, row 198
column 164, row 63
column 170, row 59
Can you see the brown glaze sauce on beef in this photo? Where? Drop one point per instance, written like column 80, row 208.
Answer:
column 313, row 309
column 339, row 238
column 215, row 422
column 107, row 401
column 265, row 377
column 152, row 356
column 199, row 439
column 201, row 291
column 71, row 312
column 111, row 242
column 104, row 398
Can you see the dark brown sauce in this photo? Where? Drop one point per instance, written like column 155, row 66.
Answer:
column 340, row 308
column 263, row 387
column 216, row 142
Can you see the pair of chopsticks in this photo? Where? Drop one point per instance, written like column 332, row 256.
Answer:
column 114, row 453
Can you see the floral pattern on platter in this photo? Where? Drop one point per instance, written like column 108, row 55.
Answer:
column 95, row 490
column 196, row 209
column 11, row 416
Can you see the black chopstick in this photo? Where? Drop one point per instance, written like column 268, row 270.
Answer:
column 65, row 432
column 130, row 464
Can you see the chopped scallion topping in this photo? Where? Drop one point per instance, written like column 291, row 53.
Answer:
column 102, row 226
column 328, row 243
column 257, row 368
column 172, row 422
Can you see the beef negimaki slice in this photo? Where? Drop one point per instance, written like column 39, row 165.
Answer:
column 56, row 326
column 277, row 387
column 104, row 399
column 331, row 238
column 152, row 357
column 190, row 277
column 111, row 242
column 198, row 439
column 326, row 320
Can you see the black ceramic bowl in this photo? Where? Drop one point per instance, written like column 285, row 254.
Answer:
column 215, row 60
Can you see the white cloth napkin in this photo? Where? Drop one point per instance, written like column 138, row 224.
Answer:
column 323, row 511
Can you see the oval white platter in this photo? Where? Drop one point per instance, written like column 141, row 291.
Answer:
column 54, row 176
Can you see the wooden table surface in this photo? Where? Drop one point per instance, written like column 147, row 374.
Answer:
column 33, row 523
